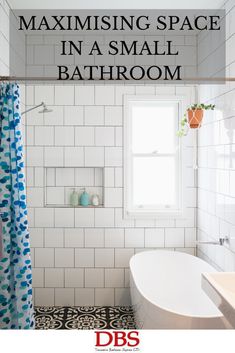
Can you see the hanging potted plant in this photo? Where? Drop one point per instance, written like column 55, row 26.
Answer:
column 193, row 117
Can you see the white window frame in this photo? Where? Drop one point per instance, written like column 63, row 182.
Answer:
column 142, row 213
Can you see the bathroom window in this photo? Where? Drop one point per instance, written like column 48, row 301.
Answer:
column 152, row 156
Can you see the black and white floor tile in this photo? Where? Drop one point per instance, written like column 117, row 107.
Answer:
column 84, row 318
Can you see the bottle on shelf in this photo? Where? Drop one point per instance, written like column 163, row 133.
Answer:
column 95, row 200
column 74, row 198
column 84, row 198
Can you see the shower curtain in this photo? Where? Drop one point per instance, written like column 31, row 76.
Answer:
column 16, row 306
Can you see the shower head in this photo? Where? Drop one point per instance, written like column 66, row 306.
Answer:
column 45, row 109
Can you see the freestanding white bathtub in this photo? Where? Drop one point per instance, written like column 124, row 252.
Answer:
column 166, row 292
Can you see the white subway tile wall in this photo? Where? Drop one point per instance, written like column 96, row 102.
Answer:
column 90, row 248
column 216, row 152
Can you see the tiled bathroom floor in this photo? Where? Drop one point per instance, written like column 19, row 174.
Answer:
column 84, row 318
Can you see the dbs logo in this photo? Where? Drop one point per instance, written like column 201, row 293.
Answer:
column 117, row 338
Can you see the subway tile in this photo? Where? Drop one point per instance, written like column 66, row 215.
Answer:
column 74, row 238
column 29, row 136
column 104, row 297
column 36, row 237
column 104, row 136
column 134, row 238
column 31, row 217
column 74, row 277
column 44, row 257
column 118, row 136
column 44, row 217
column 54, row 238
column 64, row 95
column 39, row 177
column 127, row 277
column 84, row 258
column 94, row 156
column 55, row 117
column 94, row 116
column 44, row 296
column 174, row 237
column 73, row 115
column 104, row 257
column 74, row 156
column 30, row 94
column 34, row 156
column 44, row 93
column 99, row 176
column 122, row 297
column 150, row 90
column 114, row 278
column 50, row 177
column 64, row 217
column 113, row 116
column 43, row 55
column 114, row 238
column 104, row 217
column 64, row 257
column 29, row 175
column 38, row 277
column 54, row 157
column 94, row 238
column 109, row 177
column 84, row 136
column 64, row 297
column 84, row 177
column 104, row 95
column 84, row 297
column 113, row 197
column 113, row 156
column 94, row 277
column 190, row 237
column 44, row 136
column 154, row 238
column 64, row 136
column 122, row 257
column 35, row 197
column 54, row 277
column 84, row 95
column 84, row 217
column 65, row 176
column 55, row 196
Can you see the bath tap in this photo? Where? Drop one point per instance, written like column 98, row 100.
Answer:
column 221, row 241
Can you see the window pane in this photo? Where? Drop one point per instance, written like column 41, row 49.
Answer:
column 154, row 127
column 154, row 181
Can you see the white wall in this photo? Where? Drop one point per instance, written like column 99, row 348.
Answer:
column 216, row 148
column 81, row 256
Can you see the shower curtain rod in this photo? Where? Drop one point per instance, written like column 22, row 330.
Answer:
column 17, row 79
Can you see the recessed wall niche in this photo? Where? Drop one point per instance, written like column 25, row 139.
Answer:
column 60, row 182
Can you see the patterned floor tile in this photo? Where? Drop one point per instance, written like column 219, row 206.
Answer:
column 84, row 318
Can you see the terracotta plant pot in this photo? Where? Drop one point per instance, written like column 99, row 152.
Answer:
column 195, row 118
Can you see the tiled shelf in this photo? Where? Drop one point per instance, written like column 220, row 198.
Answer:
column 60, row 181
column 69, row 206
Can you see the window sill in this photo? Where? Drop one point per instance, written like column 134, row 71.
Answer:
column 134, row 214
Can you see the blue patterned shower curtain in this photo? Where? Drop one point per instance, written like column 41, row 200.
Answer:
column 16, row 306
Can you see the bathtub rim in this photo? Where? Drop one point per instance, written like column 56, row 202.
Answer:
column 165, row 308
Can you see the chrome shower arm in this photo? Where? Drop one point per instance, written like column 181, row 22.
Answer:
column 37, row 106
